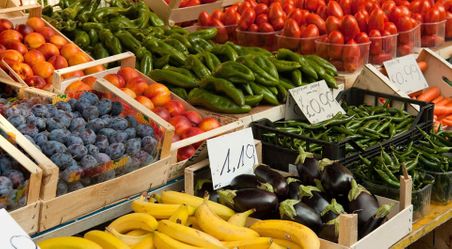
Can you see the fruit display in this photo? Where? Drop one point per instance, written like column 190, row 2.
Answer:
column 433, row 16
column 89, row 138
column 443, row 110
column 32, row 51
column 190, row 3
column 185, row 221
column 324, row 190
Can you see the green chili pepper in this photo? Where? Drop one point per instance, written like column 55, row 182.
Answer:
column 177, row 45
column 73, row 9
column 225, row 52
column 173, row 78
column 286, row 54
column 93, row 37
column 265, row 64
column 210, row 60
column 262, row 77
column 81, row 39
column 99, row 51
column 162, row 61
column 161, row 48
column 269, row 97
column 324, row 63
column 110, row 41
column 181, row 92
column 206, row 34
column 181, row 70
column 253, row 100
column 198, row 96
column 283, row 65
column 196, row 66
column 247, row 89
column 146, row 63
column 224, row 86
column 154, row 20
column 234, row 72
column 297, row 78
column 102, row 13
column 128, row 41
column 87, row 12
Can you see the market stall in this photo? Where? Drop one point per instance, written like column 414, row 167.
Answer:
column 225, row 124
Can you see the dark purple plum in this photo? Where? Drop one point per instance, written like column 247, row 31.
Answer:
column 133, row 146
column 149, row 144
column 116, row 150
column 143, row 157
column 105, row 176
column 74, row 186
column 62, row 160
column 16, row 177
column 81, row 105
column 131, row 132
column 93, row 150
column 51, row 109
column 107, row 132
column 30, row 139
column 41, row 137
column 89, row 97
column 132, row 121
column 77, row 124
column 30, row 130
column 118, row 137
column 40, row 123
column 59, row 135
column 118, row 123
column 72, row 103
column 71, row 174
column 5, row 163
column 65, row 106
column 106, row 118
column 86, row 181
column 90, row 113
column 6, row 186
column 116, row 108
column 65, row 118
column 40, row 110
column 102, row 143
column 78, row 151
column 52, row 147
column 61, row 188
column 102, row 158
column 144, row 130
column 53, row 124
column 73, row 139
column 88, row 136
column 12, row 111
column 96, row 124
column 104, row 106
column 17, row 120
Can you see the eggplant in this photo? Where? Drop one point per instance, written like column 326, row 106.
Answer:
column 265, row 203
column 375, row 221
column 293, row 185
column 332, row 211
column 363, row 203
column 313, row 197
column 330, row 230
column 266, row 174
column 244, row 181
column 298, row 211
column 307, row 167
column 205, row 186
column 336, row 178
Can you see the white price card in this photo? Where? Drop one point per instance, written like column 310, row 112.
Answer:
column 12, row 236
column 406, row 74
column 231, row 155
column 315, row 101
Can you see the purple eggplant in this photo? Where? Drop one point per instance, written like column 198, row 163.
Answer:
column 293, row 184
column 266, row 174
column 375, row 221
column 298, row 211
column 307, row 167
column 204, row 187
column 265, row 203
column 332, row 211
column 313, row 197
column 336, row 179
column 244, row 181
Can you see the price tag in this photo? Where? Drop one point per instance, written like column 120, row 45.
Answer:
column 12, row 236
column 231, row 155
column 406, row 74
column 315, row 101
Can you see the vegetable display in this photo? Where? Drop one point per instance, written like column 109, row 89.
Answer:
column 443, row 104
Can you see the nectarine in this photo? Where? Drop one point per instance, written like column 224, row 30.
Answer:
column 174, row 107
column 43, row 69
column 90, row 81
column 145, row 101
column 128, row 73
column 18, row 46
column 58, row 41
column 22, row 69
column 68, row 50
column 5, row 24
column 24, row 29
column 49, row 50
column 193, row 116
column 10, row 35
column 116, row 80
column 78, row 58
column 78, row 73
column 47, row 32
column 129, row 92
column 208, row 124
column 34, row 40
column 36, row 23
column 36, row 81
column 58, row 62
column 11, row 56
column 138, row 85
column 33, row 56
column 95, row 69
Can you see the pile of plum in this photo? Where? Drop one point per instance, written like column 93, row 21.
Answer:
column 84, row 136
column 13, row 183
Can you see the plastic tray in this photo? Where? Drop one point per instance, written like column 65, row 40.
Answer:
column 409, row 41
column 442, row 188
column 299, row 45
column 257, row 39
column 382, row 49
column 280, row 157
column 433, row 34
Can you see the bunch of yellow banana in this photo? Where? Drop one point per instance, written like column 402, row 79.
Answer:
column 182, row 221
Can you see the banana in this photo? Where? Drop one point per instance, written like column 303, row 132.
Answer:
column 137, row 232
column 147, row 243
column 286, row 244
column 192, row 222
column 128, row 239
column 105, row 240
column 189, row 235
column 174, row 197
column 134, row 221
column 181, row 215
column 214, row 225
column 276, row 246
column 289, row 230
column 68, row 243
column 239, row 219
column 163, row 241
column 255, row 243
column 158, row 210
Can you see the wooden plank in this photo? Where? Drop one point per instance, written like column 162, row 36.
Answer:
column 348, row 229
column 230, row 2
column 273, row 113
column 4, row 4
column 28, row 217
column 444, row 50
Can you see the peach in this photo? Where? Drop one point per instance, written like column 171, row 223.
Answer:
column 90, row 81
column 162, row 99
column 11, row 56
column 180, row 123
column 33, row 56
column 193, row 116
column 76, row 88
column 191, row 132
column 5, row 24
column 145, row 101
column 18, row 46
column 78, row 73
column 174, row 107
column 162, row 112
column 68, row 50
column 49, row 50
column 24, row 29
column 58, row 61
column 47, row 32
column 36, row 81
column 22, row 69
column 185, row 153
column 36, row 23
column 116, row 80
column 43, row 69
column 129, row 92
column 58, row 41
column 138, row 85
column 34, row 40
column 128, row 73
column 10, row 35
column 208, row 124
column 95, row 69
column 78, row 58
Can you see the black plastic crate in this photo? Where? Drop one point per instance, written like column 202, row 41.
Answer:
column 280, row 157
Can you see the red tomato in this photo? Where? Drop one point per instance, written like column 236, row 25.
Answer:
column 311, row 5
column 404, row 24
column 377, row 20
column 442, row 11
column 248, row 17
column 376, row 45
column 425, row 6
column 266, row 27
column 242, row 6
column 229, row 17
column 275, row 11
column 318, row 21
column 361, row 38
column 217, row 14
column 349, row 27
column 335, row 49
column 322, row 12
column 261, row 9
column 310, row 31
column 395, row 14
column 288, row 8
column 417, row 17
column 391, row 28
column 222, row 33
column 387, row 6
column 405, row 10
column 346, row 6
column 252, row 2
column 298, row 15
column 291, row 28
column 277, row 23
column 334, row 9
column 204, row 19
column 253, row 28
column 415, row 6
column 332, row 23
column 234, row 8
column 351, row 56
column 336, row 37
column 262, row 18
column 432, row 15
column 362, row 20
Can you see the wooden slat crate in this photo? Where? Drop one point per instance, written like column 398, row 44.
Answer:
column 4, row 4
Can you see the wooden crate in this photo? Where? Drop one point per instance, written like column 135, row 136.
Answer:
column 444, row 50
column 172, row 14
column 4, row 4
column 28, row 217
column 398, row 225
column 228, row 124
column 34, row 10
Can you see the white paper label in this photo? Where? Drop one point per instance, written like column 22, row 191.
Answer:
column 315, row 101
column 231, row 155
column 406, row 74
column 12, row 236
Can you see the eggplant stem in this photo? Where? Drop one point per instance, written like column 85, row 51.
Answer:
column 201, row 182
column 306, row 191
column 302, row 155
column 333, row 207
column 383, row 211
column 326, row 162
column 226, row 197
column 286, row 208
column 356, row 190
column 319, row 185
column 267, row 187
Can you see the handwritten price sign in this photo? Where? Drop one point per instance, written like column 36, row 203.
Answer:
column 12, row 236
column 315, row 101
column 231, row 155
column 406, row 74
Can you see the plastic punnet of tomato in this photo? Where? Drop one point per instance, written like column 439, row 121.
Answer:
column 225, row 22
column 224, row 33
column 433, row 34
column 382, row 49
column 449, row 28
column 347, row 58
column 265, row 40
column 409, row 41
column 300, row 45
